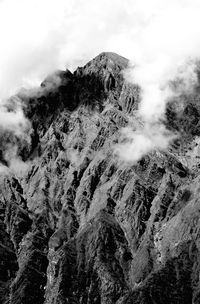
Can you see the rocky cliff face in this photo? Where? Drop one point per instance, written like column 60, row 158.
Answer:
column 81, row 227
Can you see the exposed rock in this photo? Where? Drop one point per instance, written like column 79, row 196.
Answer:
column 80, row 226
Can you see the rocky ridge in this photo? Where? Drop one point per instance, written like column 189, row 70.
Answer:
column 81, row 227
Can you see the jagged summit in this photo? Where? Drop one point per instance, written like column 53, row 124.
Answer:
column 105, row 63
column 108, row 60
column 103, row 72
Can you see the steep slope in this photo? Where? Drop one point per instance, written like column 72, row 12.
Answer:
column 81, row 227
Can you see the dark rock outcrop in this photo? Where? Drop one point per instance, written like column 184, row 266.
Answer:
column 79, row 226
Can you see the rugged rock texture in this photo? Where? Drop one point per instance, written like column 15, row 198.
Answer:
column 81, row 227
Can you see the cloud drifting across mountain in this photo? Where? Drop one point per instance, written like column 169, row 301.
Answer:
column 40, row 36
column 166, row 49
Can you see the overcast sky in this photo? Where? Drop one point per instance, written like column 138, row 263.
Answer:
column 39, row 36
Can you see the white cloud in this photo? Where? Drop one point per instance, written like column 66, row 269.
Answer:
column 14, row 163
column 137, row 143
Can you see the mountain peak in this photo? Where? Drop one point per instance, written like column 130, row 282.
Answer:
column 108, row 61
column 115, row 58
column 103, row 73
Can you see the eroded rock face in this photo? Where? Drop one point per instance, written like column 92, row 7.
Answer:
column 81, row 227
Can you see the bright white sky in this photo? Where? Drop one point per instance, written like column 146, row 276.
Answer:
column 39, row 36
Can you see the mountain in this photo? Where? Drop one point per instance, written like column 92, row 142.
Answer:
column 79, row 226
